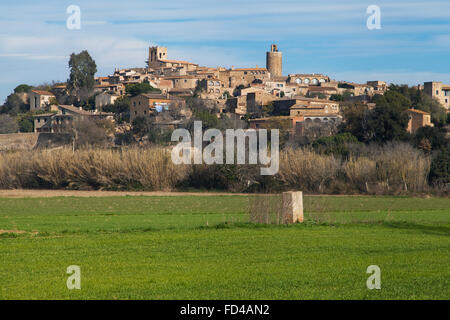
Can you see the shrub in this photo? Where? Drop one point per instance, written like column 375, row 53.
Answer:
column 150, row 169
column 440, row 168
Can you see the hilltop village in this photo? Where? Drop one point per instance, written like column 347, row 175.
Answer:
column 167, row 94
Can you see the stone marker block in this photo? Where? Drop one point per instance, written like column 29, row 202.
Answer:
column 292, row 207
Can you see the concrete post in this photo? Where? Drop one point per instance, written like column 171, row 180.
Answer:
column 292, row 207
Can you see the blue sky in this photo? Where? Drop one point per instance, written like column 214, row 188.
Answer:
column 323, row 36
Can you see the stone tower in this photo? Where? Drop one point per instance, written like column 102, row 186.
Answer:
column 157, row 53
column 274, row 61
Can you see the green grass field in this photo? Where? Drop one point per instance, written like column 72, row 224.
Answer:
column 203, row 247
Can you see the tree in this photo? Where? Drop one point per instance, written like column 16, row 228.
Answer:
column 318, row 95
column 387, row 121
column 14, row 105
column 22, row 88
column 124, row 139
column 440, row 168
column 347, row 95
column 159, row 135
column 8, row 124
column 425, row 145
column 227, row 94
column 237, row 90
column 435, row 136
column 26, row 122
column 136, row 89
column 336, row 97
column 121, row 109
column 336, row 145
column 141, row 126
column 422, row 101
column 428, row 104
column 386, row 124
column 82, row 71
column 394, row 100
column 87, row 132
column 208, row 119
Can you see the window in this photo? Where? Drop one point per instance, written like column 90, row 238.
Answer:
column 298, row 80
column 437, row 92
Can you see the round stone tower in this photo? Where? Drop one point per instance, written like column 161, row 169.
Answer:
column 274, row 61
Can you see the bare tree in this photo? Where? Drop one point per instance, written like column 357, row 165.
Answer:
column 88, row 132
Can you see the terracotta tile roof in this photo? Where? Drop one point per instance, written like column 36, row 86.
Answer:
column 418, row 111
column 43, row 92
column 42, row 115
column 314, row 100
column 176, row 61
column 74, row 109
column 270, row 118
column 249, row 69
column 322, row 89
column 181, row 77
column 308, row 75
column 323, row 115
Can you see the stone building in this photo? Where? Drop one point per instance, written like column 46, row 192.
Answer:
column 40, row 99
column 319, row 91
column 379, row 87
column 213, row 88
column 149, row 103
column 256, row 100
column 157, row 60
column 234, row 77
column 308, row 79
column 418, row 119
column 237, row 105
column 439, row 91
column 65, row 114
column 105, row 98
column 303, row 106
column 116, row 88
column 356, row 89
column 274, row 61
column 183, row 82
